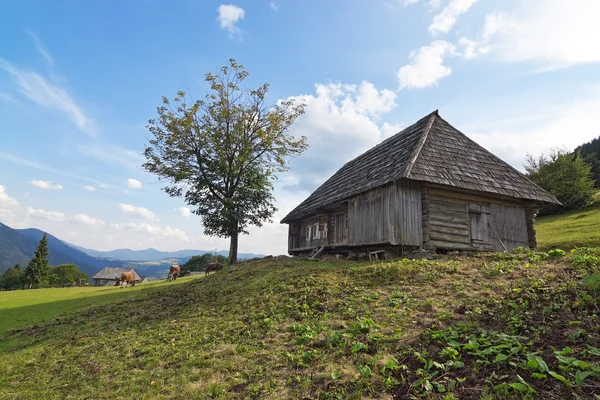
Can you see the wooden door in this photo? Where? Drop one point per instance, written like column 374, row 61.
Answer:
column 479, row 228
column 341, row 228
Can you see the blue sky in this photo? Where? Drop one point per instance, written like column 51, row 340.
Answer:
column 79, row 81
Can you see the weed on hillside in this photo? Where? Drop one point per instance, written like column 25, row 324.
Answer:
column 494, row 326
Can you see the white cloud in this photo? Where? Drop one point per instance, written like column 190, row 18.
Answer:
column 5, row 199
column 274, row 6
column 184, row 211
column 340, row 122
column 17, row 160
column 134, row 184
column 536, row 132
column 103, row 186
column 113, row 155
column 426, row 66
column 389, row 130
column 408, row 2
column 84, row 219
column 140, row 212
column 47, row 185
column 49, row 95
column 7, row 97
column 90, row 188
column 553, row 34
column 229, row 16
column 154, row 230
column 40, row 48
column 43, row 214
column 445, row 20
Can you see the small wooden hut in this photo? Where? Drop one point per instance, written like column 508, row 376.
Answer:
column 428, row 187
column 109, row 276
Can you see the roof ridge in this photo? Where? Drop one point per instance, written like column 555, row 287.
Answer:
column 501, row 160
column 420, row 143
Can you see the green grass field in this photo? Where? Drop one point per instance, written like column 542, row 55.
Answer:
column 494, row 326
column 21, row 308
column 573, row 229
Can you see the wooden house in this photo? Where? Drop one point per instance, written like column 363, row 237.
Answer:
column 108, row 276
column 428, row 187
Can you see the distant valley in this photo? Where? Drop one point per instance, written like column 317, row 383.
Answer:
column 18, row 245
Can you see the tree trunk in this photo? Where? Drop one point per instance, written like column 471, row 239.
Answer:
column 233, row 248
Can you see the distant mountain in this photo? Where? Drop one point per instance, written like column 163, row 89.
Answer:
column 153, row 254
column 17, row 246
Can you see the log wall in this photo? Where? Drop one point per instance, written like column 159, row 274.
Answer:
column 471, row 221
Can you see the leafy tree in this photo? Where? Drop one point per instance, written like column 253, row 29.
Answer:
column 591, row 154
column 38, row 269
column 222, row 153
column 565, row 175
column 66, row 273
column 198, row 263
column 13, row 278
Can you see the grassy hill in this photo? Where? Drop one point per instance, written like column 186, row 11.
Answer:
column 569, row 230
column 488, row 326
column 22, row 308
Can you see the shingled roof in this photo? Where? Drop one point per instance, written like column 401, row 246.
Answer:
column 430, row 150
column 112, row 272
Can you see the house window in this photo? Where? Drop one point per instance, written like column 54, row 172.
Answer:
column 316, row 231
column 308, row 230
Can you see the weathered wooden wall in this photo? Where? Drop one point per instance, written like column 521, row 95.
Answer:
column 371, row 217
column 409, row 213
column 471, row 221
column 510, row 224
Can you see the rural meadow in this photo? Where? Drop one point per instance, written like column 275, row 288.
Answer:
column 397, row 199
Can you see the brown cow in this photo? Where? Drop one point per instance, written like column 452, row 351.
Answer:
column 212, row 266
column 127, row 278
column 174, row 272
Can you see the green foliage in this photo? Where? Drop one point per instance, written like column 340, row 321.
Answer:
column 280, row 328
column 198, row 263
column 556, row 253
column 12, row 278
column 38, row 269
column 564, row 175
column 591, row 154
column 222, row 153
column 66, row 273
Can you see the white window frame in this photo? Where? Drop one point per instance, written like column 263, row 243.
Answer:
column 316, row 230
column 308, row 232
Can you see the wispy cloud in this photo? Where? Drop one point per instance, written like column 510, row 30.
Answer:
column 89, row 188
column 426, row 66
column 16, row 160
column 40, row 47
column 49, row 95
column 184, row 211
column 153, row 230
column 7, row 97
column 47, row 185
column 445, row 20
column 139, row 212
column 229, row 16
column 134, row 184
column 113, row 155
column 5, row 199
column 43, row 214
column 274, row 6
column 86, row 220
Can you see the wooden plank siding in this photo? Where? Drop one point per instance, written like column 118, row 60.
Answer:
column 471, row 221
column 371, row 217
column 410, row 215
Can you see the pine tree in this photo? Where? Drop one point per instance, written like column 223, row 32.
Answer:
column 38, row 269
